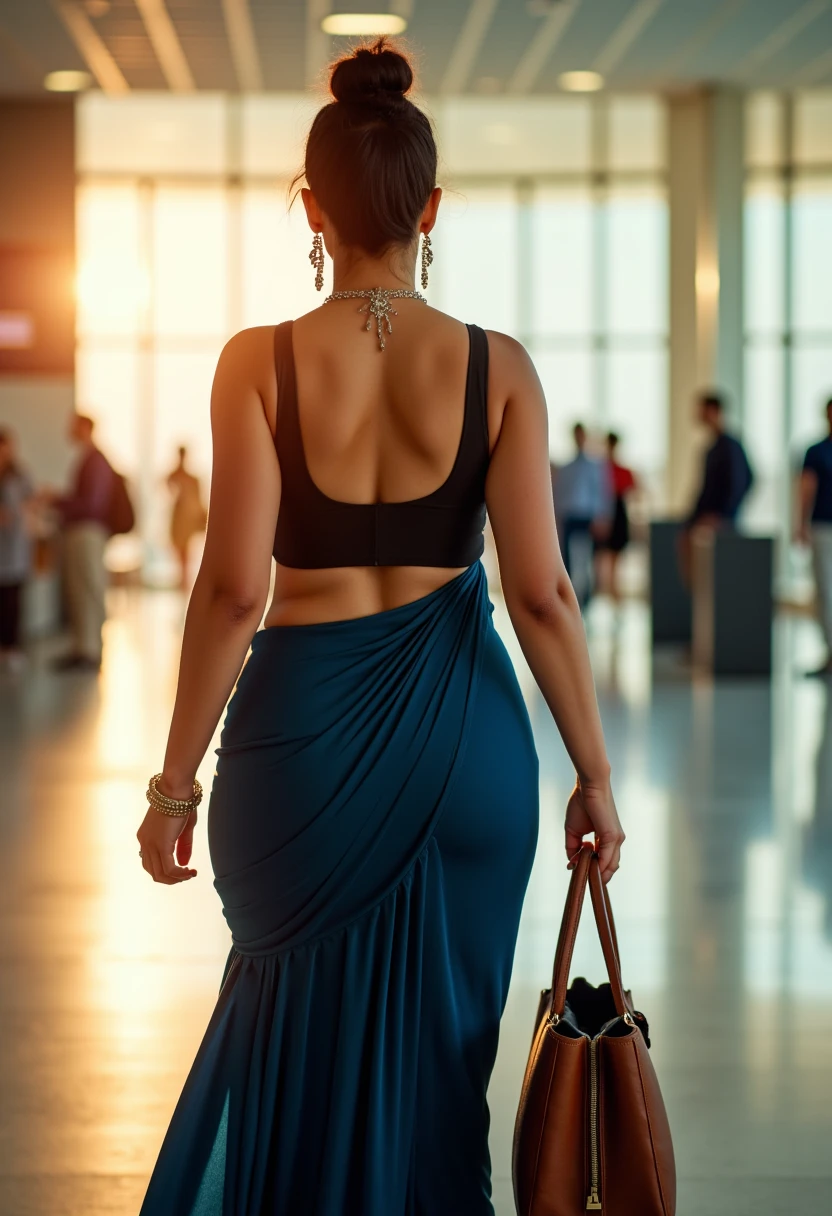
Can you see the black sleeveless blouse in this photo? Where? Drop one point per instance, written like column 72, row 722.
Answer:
column 444, row 528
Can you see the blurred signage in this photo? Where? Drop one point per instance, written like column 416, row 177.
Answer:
column 37, row 310
column 17, row 331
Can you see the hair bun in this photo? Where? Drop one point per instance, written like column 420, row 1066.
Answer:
column 372, row 76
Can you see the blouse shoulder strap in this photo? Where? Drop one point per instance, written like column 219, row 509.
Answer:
column 287, row 431
column 476, row 389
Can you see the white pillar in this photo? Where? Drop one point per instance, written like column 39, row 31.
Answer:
column 706, row 269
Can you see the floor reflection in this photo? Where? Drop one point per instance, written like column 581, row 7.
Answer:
column 724, row 907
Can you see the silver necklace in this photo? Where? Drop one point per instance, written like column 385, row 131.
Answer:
column 378, row 305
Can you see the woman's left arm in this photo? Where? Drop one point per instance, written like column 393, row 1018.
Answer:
column 229, row 595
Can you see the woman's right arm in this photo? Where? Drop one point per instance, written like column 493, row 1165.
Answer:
column 541, row 603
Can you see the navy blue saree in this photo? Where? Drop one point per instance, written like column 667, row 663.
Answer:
column 372, row 826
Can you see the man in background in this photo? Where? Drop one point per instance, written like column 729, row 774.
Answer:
column 583, row 508
column 815, row 528
column 727, row 476
column 84, row 516
column 726, row 479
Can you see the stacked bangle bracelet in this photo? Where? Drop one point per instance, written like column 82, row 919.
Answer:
column 172, row 806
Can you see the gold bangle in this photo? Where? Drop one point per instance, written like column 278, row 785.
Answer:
column 153, row 786
column 172, row 806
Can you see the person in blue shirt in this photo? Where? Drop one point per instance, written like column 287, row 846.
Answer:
column 815, row 528
column 583, row 509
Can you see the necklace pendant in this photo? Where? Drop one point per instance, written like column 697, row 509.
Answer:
column 377, row 305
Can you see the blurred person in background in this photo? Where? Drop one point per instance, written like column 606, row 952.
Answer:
column 815, row 528
column 583, row 509
column 609, row 547
column 16, row 496
column 726, row 477
column 188, row 516
column 85, row 518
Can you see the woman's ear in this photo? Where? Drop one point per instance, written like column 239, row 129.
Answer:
column 313, row 212
column 429, row 214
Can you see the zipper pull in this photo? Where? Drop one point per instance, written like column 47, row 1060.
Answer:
column 593, row 1203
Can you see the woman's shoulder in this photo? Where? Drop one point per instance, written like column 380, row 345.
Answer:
column 249, row 353
column 246, row 368
column 505, row 354
column 248, row 341
column 511, row 365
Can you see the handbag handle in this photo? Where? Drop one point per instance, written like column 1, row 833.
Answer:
column 602, row 907
column 587, row 870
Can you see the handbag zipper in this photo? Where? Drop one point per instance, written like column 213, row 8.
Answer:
column 593, row 1203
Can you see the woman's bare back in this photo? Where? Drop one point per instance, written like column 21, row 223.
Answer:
column 376, row 427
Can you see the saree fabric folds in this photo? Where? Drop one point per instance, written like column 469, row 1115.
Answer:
column 372, row 826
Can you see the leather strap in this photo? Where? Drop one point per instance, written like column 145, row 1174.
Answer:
column 602, row 908
column 569, row 929
column 586, row 870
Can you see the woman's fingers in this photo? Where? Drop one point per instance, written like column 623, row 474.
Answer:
column 609, row 855
column 155, row 864
column 577, row 825
column 171, row 872
column 161, row 866
column 573, row 846
column 158, row 844
column 185, row 841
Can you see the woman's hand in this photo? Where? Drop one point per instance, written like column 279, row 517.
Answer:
column 591, row 808
column 165, row 840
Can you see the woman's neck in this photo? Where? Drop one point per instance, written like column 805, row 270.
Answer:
column 395, row 273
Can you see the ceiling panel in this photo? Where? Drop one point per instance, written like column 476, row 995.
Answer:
column 201, row 28
column 434, row 29
column 741, row 35
column 675, row 37
column 512, row 31
column 280, row 29
column 20, row 71
column 590, row 30
column 34, row 33
column 812, row 42
column 683, row 42
column 123, row 33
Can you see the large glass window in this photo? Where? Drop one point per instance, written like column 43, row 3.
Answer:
column 553, row 229
column 788, row 290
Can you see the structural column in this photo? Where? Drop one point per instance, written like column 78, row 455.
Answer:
column 706, row 269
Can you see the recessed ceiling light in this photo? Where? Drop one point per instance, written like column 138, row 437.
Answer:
column 581, row 82
column 67, row 82
column 363, row 24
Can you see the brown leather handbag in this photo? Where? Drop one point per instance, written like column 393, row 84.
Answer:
column 591, row 1132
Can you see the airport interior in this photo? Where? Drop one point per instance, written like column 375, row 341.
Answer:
column 638, row 191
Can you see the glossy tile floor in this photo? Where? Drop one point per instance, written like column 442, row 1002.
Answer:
column 724, row 906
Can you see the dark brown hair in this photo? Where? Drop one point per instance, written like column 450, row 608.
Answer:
column 712, row 400
column 371, row 155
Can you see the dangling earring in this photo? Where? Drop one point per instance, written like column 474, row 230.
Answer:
column 427, row 259
column 316, row 257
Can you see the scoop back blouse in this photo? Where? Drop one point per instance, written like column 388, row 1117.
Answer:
column 443, row 528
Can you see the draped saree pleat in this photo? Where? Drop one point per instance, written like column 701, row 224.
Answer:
column 372, row 825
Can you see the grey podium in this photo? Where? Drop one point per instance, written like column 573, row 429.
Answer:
column 733, row 603
column 670, row 603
